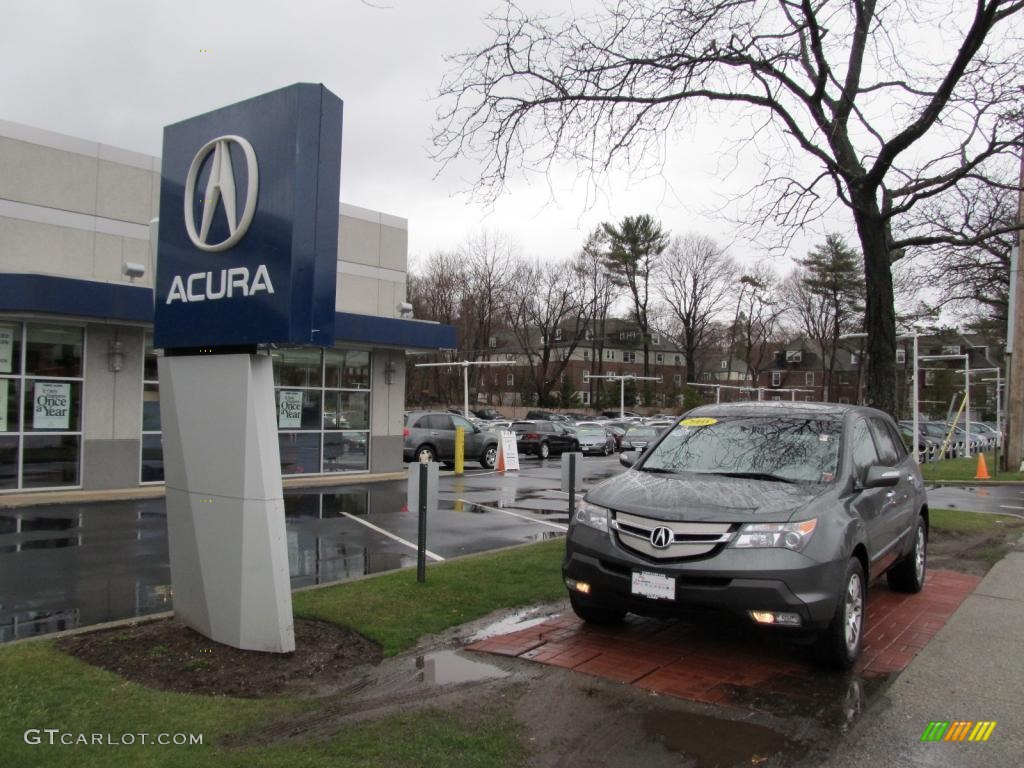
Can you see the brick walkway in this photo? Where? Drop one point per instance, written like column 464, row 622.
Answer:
column 717, row 664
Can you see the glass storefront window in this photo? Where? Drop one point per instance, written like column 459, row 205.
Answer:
column 298, row 408
column 9, row 399
column 52, row 406
column 346, row 451
column 50, row 461
column 297, row 368
column 152, row 459
column 150, row 407
column 41, row 386
column 54, row 351
column 8, row 461
column 346, row 410
column 346, row 369
column 300, row 452
column 10, row 348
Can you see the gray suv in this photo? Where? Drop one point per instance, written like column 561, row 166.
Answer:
column 778, row 513
column 430, row 436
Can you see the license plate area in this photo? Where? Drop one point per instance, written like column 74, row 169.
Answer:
column 655, row 586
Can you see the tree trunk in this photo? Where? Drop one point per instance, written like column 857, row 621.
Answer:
column 880, row 314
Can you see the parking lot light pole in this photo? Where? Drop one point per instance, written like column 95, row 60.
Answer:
column 621, row 378
column 465, row 375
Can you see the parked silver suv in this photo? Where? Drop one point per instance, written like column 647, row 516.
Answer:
column 430, row 436
column 779, row 513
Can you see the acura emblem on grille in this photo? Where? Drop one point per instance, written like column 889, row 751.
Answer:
column 661, row 537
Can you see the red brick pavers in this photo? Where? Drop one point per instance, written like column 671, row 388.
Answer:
column 706, row 662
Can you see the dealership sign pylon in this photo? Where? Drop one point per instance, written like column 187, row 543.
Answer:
column 246, row 259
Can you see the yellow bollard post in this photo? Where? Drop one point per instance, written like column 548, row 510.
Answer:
column 460, row 449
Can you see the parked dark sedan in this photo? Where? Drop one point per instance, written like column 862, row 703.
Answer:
column 779, row 513
column 543, row 438
column 637, row 438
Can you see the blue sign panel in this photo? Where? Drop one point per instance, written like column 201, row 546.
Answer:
column 249, row 223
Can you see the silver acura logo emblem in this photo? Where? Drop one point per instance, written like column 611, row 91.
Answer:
column 661, row 537
column 220, row 187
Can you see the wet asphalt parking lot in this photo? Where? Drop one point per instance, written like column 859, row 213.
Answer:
column 72, row 565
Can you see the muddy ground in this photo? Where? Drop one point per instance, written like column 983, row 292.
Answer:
column 566, row 718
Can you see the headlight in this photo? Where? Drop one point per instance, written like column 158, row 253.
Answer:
column 591, row 515
column 789, row 535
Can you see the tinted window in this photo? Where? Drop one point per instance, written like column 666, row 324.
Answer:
column 460, row 421
column 436, row 421
column 888, row 454
column 862, row 447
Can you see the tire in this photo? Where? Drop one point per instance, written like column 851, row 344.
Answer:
column 839, row 645
column 908, row 574
column 575, row 446
column 490, row 457
column 608, row 450
column 544, row 451
column 425, row 453
column 594, row 614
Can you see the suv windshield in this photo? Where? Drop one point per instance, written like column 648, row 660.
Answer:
column 769, row 447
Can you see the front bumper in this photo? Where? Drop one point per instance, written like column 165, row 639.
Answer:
column 734, row 581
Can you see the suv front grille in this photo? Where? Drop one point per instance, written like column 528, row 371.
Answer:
column 688, row 539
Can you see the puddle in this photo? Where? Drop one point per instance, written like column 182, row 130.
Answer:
column 524, row 619
column 712, row 742
column 409, row 675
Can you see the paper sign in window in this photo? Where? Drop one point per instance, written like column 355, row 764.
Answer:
column 51, row 405
column 289, row 409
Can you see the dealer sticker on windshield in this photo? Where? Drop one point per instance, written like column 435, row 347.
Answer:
column 703, row 421
column 654, row 585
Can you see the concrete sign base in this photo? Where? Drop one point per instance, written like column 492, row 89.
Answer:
column 225, row 504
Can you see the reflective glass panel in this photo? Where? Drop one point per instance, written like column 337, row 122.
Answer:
column 50, row 460
column 347, row 369
column 300, row 452
column 54, row 350
column 346, row 451
column 346, row 410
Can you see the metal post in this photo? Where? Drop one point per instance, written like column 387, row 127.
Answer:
column 421, row 543
column 572, row 484
column 622, row 397
column 917, row 408
column 718, row 394
column 465, row 391
column 967, row 397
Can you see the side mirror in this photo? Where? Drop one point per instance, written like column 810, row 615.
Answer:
column 628, row 458
column 881, row 477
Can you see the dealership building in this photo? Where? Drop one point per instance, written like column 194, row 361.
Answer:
column 79, row 395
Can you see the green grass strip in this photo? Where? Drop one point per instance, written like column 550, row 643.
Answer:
column 395, row 610
column 964, row 470
column 957, row 521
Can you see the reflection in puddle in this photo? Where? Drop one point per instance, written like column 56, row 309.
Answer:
column 712, row 742
column 449, row 668
column 512, row 623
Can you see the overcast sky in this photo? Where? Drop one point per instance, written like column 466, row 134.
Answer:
column 117, row 71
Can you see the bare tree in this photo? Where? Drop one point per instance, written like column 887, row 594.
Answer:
column 756, row 324
column 600, row 292
column 974, row 282
column 867, row 117
column 696, row 278
column 436, row 292
column 548, row 312
column 488, row 260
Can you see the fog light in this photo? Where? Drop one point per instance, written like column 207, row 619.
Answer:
column 580, row 586
column 770, row 617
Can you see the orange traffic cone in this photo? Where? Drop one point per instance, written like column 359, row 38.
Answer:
column 500, row 466
column 982, row 473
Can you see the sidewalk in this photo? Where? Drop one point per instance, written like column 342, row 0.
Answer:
column 972, row 670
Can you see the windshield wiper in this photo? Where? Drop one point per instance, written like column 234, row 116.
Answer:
column 756, row 476
column 656, row 470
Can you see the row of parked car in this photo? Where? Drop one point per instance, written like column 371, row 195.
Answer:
column 430, row 435
column 933, row 434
